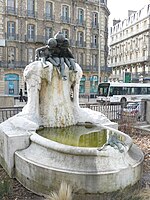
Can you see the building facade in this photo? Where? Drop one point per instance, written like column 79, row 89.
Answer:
column 129, row 54
column 27, row 24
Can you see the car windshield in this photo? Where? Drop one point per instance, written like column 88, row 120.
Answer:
column 132, row 105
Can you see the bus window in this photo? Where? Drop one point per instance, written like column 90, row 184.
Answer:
column 143, row 90
column 128, row 90
column 103, row 89
column 132, row 91
column 111, row 91
column 148, row 90
column 117, row 91
column 137, row 90
column 124, row 91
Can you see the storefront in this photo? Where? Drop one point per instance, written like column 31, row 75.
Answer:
column 93, row 85
column 11, row 84
column 82, row 85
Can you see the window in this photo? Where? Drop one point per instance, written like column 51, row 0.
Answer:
column 48, row 33
column 11, row 84
column 93, row 84
column 81, row 58
column 30, row 55
column 95, row 41
column 80, row 16
column 94, row 60
column 11, row 30
column 11, row 56
column 11, row 6
column 65, row 13
column 95, row 20
column 65, row 33
column 31, row 32
column 80, row 39
column 30, row 8
column 49, row 10
column 11, row 3
column 82, row 84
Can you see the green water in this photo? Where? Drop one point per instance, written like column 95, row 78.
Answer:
column 79, row 136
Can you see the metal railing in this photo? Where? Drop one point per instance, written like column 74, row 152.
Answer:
column 114, row 112
column 7, row 112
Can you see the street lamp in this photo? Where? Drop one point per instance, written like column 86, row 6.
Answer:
column 99, row 46
column 99, row 51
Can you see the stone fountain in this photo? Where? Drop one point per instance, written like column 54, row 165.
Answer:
column 41, row 164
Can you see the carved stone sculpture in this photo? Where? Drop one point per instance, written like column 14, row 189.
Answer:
column 57, row 52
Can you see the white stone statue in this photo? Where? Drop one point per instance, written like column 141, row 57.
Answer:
column 53, row 102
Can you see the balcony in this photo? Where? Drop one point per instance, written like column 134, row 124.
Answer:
column 11, row 10
column 65, row 19
column 31, row 14
column 89, row 68
column 12, row 37
column 94, row 46
column 49, row 17
column 36, row 38
column 80, row 44
column 80, row 22
column 95, row 25
column 86, row 68
column 41, row 39
column 13, row 65
column 29, row 38
column 128, row 61
column 108, row 69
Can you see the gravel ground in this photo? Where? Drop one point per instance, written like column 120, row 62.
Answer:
column 11, row 189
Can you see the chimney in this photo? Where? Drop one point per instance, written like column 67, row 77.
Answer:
column 116, row 21
column 130, row 12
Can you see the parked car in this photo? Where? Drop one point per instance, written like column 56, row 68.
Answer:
column 132, row 110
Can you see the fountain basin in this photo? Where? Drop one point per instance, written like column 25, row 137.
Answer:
column 46, row 163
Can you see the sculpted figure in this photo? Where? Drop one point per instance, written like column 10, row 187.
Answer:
column 114, row 142
column 58, row 53
column 65, row 52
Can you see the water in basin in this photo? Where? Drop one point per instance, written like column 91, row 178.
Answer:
column 80, row 136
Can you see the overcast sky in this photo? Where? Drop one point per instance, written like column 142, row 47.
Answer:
column 119, row 8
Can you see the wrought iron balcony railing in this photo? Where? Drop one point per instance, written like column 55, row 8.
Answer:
column 93, row 45
column 13, row 64
column 31, row 13
column 80, row 22
column 65, row 19
column 11, row 37
column 80, row 43
column 49, row 17
column 95, row 25
column 11, row 10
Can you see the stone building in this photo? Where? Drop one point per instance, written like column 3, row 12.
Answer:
column 130, row 47
column 27, row 24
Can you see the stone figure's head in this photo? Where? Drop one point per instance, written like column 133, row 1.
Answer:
column 66, row 43
column 59, row 37
column 52, row 43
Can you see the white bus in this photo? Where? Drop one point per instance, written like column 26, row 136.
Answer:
column 122, row 92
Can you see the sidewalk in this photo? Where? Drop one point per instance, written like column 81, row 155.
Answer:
column 17, row 103
column 86, row 100
column 81, row 100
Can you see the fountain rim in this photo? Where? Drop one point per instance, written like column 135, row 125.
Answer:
column 44, row 142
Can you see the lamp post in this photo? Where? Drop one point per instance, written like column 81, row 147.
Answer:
column 99, row 51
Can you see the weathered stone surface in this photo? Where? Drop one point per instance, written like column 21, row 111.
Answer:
column 41, row 164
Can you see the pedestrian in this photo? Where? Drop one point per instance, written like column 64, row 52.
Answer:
column 21, row 95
